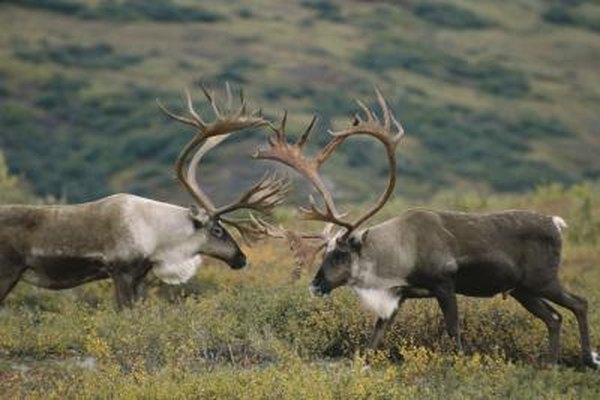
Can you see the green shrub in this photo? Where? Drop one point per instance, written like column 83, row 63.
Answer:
column 493, row 78
column 97, row 56
column 163, row 11
column 325, row 9
column 59, row 6
column 236, row 70
column 448, row 15
column 124, row 10
column 566, row 14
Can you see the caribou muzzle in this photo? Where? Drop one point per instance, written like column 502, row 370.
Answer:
column 320, row 286
column 238, row 262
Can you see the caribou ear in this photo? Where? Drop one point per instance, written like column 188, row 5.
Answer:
column 357, row 241
column 198, row 215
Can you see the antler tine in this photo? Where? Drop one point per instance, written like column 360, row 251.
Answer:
column 188, row 121
column 328, row 149
column 191, row 109
column 304, row 137
column 263, row 196
column 384, row 108
column 229, row 103
column 370, row 115
column 249, row 229
column 283, row 122
column 211, row 100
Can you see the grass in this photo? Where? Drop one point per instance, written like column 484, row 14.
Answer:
column 256, row 334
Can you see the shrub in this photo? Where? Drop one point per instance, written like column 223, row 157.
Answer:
column 566, row 14
column 236, row 70
column 124, row 10
column 97, row 56
column 164, row 11
column 450, row 16
column 325, row 9
column 59, row 6
column 489, row 77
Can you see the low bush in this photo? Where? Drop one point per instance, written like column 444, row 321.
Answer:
column 124, row 10
column 97, row 56
column 451, row 16
column 566, row 14
column 489, row 77
column 324, row 9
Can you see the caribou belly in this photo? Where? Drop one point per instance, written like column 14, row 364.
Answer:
column 63, row 272
column 177, row 272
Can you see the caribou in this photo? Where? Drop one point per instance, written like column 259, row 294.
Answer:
column 423, row 252
column 123, row 236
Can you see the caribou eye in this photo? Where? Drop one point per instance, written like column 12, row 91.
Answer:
column 217, row 231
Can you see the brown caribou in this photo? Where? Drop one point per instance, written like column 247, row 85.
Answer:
column 123, row 237
column 428, row 253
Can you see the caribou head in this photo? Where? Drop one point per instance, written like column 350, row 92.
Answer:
column 342, row 248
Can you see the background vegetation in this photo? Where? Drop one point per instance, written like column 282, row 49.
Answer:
column 495, row 96
column 499, row 101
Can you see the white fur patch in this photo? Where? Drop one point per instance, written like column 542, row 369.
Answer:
column 559, row 223
column 596, row 359
column 177, row 273
column 382, row 302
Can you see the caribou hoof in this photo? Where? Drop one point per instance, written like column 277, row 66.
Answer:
column 593, row 360
column 395, row 356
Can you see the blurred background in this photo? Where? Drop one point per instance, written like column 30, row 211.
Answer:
column 495, row 96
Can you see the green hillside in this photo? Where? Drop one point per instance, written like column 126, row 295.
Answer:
column 495, row 96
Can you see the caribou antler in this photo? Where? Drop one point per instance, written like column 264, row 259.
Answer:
column 304, row 246
column 291, row 154
column 263, row 196
column 389, row 134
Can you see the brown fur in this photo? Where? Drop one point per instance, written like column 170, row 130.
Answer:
column 119, row 237
column 428, row 253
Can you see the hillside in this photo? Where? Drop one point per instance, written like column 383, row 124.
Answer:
column 495, row 96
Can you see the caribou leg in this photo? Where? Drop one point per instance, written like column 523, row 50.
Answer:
column 9, row 276
column 446, row 298
column 127, row 280
column 124, row 290
column 544, row 311
column 381, row 326
column 578, row 306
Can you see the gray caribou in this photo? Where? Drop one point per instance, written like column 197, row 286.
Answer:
column 428, row 253
column 123, row 237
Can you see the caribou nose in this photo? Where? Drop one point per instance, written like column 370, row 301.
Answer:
column 316, row 290
column 239, row 261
